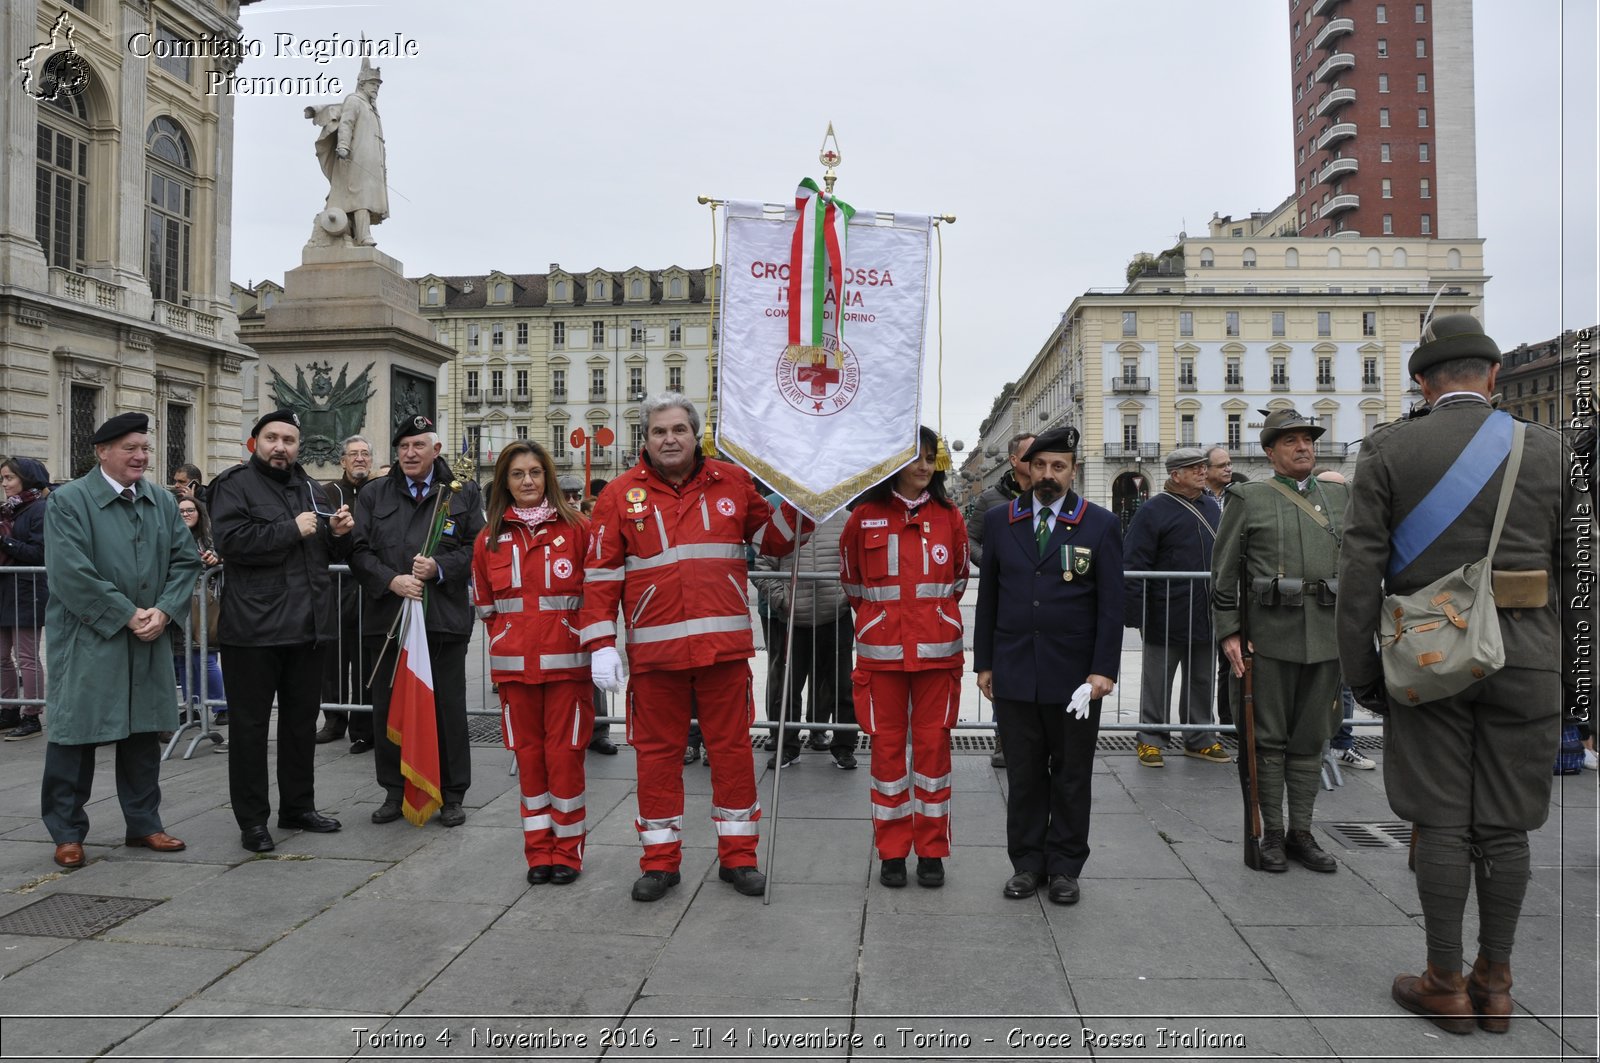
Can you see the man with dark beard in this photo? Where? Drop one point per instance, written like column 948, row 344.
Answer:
column 344, row 680
column 1047, row 642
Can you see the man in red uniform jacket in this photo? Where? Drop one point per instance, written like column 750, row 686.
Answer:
column 667, row 545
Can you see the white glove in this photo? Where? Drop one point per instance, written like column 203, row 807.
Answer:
column 1079, row 705
column 605, row 668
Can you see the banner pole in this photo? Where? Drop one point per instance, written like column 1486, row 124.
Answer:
column 783, row 722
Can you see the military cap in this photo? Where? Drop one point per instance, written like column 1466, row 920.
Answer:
column 418, row 425
column 1281, row 421
column 1185, row 457
column 119, row 426
column 1062, row 440
column 1449, row 337
column 286, row 416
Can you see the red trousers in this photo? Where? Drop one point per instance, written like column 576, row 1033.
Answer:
column 909, row 804
column 548, row 727
column 659, row 706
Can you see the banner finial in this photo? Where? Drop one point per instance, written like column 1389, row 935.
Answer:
column 829, row 157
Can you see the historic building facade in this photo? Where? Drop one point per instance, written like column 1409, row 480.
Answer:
column 115, row 233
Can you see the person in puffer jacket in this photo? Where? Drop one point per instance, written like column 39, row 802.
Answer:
column 527, row 583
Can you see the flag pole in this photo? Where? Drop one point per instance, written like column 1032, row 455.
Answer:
column 783, row 721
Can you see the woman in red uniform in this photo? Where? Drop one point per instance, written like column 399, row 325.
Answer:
column 527, row 580
column 903, row 563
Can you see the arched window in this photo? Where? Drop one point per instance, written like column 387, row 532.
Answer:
column 169, row 209
column 1399, row 256
column 599, row 289
column 676, row 288
column 561, row 290
column 1207, row 259
column 1249, row 258
column 1374, row 258
column 1452, row 259
column 1334, row 258
column 1291, row 258
column 61, row 176
column 636, row 289
column 499, row 293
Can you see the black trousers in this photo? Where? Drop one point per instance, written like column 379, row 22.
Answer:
column 254, row 675
column 344, row 681
column 449, row 659
column 1225, row 688
column 822, row 656
column 1049, row 767
column 69, row 778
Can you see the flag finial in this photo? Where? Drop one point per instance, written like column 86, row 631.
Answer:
column 830, row 157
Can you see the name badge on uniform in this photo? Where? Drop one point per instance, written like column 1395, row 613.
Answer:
column 635, row 495
column 1075, row 561
column 449, row 527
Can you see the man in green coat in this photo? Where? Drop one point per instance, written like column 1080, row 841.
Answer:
column 122, row 566
column 1291, row 526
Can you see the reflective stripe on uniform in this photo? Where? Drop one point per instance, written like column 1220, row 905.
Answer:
column 688, row 551
column 485, row 611
column 892, row 787
column 541, row 822
column 659, row 831
column 753, row 812
column 603, row 629
column 506, row 664
column 567, row 804
column 567, row 830
column 553, row 602
column 508, row 605
column 879, row 594
column 736, row 827
column 599, row 575
column 684, row 628
column 880, row 653
column 931, row 808
column 894, row 554
column 538, row 801
column 938, row 649
column 926, row 782
column 891, row 812
column 935, row 590
column 563, row 660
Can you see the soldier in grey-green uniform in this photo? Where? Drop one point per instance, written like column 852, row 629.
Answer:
column 1292, row 523
column 1472, row 771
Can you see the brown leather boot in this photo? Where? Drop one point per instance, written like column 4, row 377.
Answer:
column 1438, row 996
column 1489, row 989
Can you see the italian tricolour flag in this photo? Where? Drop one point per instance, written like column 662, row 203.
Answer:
column 413, row 725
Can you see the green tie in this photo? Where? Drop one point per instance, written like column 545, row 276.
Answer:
column 1044, row 530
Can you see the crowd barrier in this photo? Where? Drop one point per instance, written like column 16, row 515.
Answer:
column 199, row 701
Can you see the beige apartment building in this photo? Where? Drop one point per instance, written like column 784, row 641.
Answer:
column 1245, row 318
column 115, row 233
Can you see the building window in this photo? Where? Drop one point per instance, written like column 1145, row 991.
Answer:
column 1369, row 322
column 522, row 333
column 1325, row 372
column 1422, row 118
column 1421, row 14
column 1369, row 370
column 1383, row 118
column 1422, row 151
column 1277, row 323
column 1324, row 323
column 1388, row 224
column 1422, row 83
column 1130, row 322
column 714, row 383
column 1383, row 82
column 558, row 334
column 522, row 432
column 1186, row 430
column 1130, row 370
column 1233, row 374
column 1130, row 433
column 675, row 289
column 597, row 334
column 1280, row 373
column 522, row 383
column 1186, row 322
column 433, row 295
column 165, row 43
column 1388, row 189
column 636, row 334
column 472, row 383
column 675, row 378
column 1291, row 257
column 597, row 383
column 1207, row 260
column 83, row 417
column 497, row 383
column 599, row 289
column 61, row 185
column 558, row 441
column 1426, row 190
column 1249, row 258
column 1186, row 372
column 500, row 292
column 1382, row 15
column 472, row 337
column 1231, row 323
column 1422, row 48
column 497, row 336
column 1383, row 153
column 675, row 333
column 1235, row 430
column 561, row 290
column 177, row 433
column 1383, row 48
column 1427, row 225
column 636, row 436
column 635, row 383
column 169, row 207
column 636, row 289
column 558, row 383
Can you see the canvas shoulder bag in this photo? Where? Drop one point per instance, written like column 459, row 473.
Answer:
column 1441, row 639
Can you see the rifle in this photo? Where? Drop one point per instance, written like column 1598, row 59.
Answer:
column 1247, row 718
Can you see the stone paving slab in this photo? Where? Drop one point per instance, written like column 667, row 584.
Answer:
column 600, row 897
column 514, row 971
column 1147, row 1014
column 205, row 1029
column 1162, row 928
column 435, row 872
column 978, row 964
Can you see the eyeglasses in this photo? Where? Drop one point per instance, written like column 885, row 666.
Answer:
column 319, row 503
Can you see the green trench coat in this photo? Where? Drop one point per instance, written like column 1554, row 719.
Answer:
column 104, row 558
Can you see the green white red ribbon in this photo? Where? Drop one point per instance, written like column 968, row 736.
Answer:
column 816, row 273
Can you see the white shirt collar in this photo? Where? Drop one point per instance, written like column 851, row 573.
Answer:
column 119, row 488
column 1054, row 509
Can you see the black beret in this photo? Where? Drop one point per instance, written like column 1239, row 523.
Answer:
column 286, row 416
column 1058, row 440
column 1281, row 421
column 413, row 426
column 119, row 426
column 1450, row 337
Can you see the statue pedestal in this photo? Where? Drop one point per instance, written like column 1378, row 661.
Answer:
column 346, row 349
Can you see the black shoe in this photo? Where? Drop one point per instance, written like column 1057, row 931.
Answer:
column 562, row 875
column 789, row 757
column 452, row 815
column 997, row 759
column 220, row 719
column 747, row 880
column 820, row 741
column 691, row 753
column 844, row 760
column 313, row 821
column 1023, row 884
column 539, row 874
column 361, row 745
column 893, row 873
column 653, row 885
column 329, row 734
column 10, row 717
column 29, row 727
column 1302, row 846
column 257, row 839
column 1063, row 889
column 930, row 872
column 602, row 745
column 1272, row 857
column 387, row 812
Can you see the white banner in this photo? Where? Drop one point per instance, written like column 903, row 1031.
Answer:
column 821, row 432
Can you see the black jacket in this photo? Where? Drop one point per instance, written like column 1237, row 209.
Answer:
column 1166, row 536
column 336, row 493
column 1004, row 490
column 276, row 590
column 391, row 528
column 23, row 594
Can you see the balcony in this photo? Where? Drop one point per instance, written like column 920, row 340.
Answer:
column 1075, row 392
column 1280, row 383
column 1322, row 7
column 1325, row 383
column 183, row 318
column 562, row 459
column 1233, row 383
column 558, row 395
column 636, row 394
column 1130, row 385
column 82, row 289
column 1334, row 100
column 497, row 394
column 597, row 394
column 1335, row 133
column 1186, row 383
column 1330, row 448
column 1335, row 28
column 1371, row 383
column 1132, row 451
column 1348, row 201
column 472, row 396
column 1332, row 65
column 522, row 397
column 1337, row 168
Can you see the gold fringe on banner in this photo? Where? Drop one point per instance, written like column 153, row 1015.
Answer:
column 813, row 503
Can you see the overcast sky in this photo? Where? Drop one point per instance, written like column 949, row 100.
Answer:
column 1065, row 135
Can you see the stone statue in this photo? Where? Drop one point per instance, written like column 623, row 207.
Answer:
column 351, row 153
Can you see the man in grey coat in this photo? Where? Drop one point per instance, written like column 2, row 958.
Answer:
column 122, row 567
column 1472, row 771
